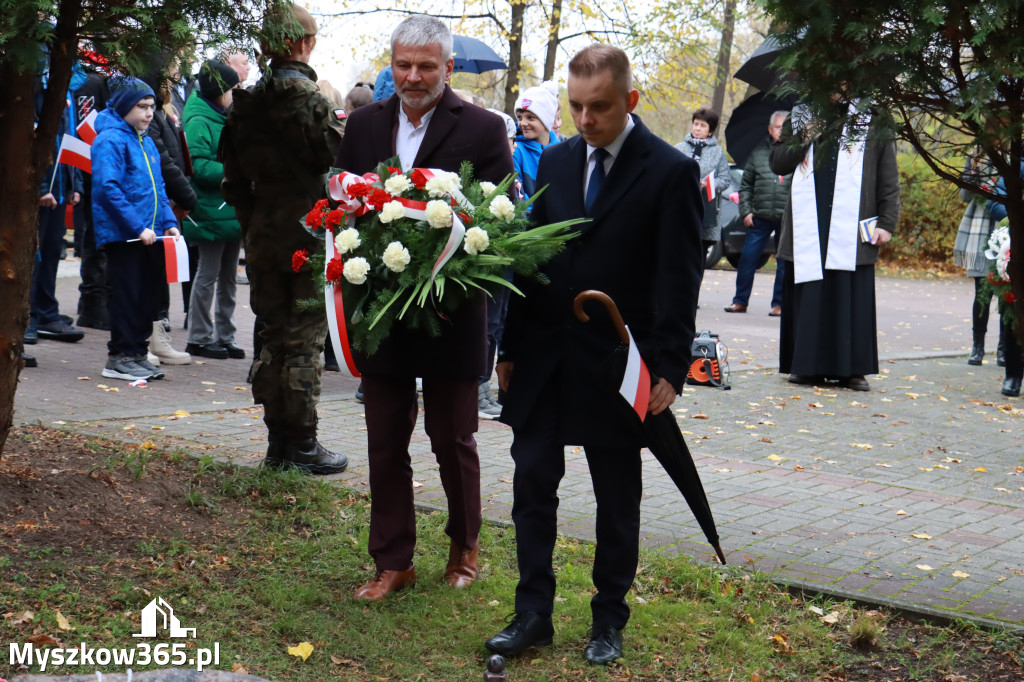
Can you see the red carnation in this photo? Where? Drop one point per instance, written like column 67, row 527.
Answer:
column 334, row 219
column 394, row 171
column 418, row 178
column 992, row 279
column 1008, row 296
column 359, row 189
column 313, row 218
column 322, row 205
column 298, row 258
column 378, row 198
column 465, row 218
column 334, row 269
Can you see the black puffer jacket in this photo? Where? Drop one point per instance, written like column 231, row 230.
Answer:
column 761, row 192
column 167, row 136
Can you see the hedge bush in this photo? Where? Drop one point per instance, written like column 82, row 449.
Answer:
column 929, row 218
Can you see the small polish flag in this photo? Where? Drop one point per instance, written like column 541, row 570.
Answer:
column 176, row 259
column 75, row 152
column 87, row 128
column 709, row 186
column 636, row 383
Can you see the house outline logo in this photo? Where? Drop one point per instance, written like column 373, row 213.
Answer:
column 150, row 620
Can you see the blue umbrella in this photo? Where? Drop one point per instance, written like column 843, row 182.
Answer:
column 474, row 56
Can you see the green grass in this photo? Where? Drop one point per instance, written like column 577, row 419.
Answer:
column 286, row 572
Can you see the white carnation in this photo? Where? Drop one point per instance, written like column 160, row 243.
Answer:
column 397, row 184
column 502, row 207
column 356, row 269
column 476, row 241
column 439, row 214
column 443, row 183
column 487, row 187
column 347, row 240
column 392, row 211
column 396, row 257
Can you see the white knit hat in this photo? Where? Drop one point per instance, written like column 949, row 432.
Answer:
column 540, row 102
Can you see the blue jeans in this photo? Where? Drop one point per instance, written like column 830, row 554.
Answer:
column 752, row 248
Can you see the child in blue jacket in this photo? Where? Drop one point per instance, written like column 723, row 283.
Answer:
column 535, row 111
column 130, row 210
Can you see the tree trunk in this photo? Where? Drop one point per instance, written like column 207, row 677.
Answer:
column 515, row 54
column 27, row 155
column 19, row 195
column 553, row 29
column 724, row 53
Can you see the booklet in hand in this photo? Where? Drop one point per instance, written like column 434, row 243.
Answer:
column 867, row 229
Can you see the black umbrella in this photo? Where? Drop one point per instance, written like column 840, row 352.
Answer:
column 759, row 70
column 748, row 124
column 474, row 56
column 661, row 431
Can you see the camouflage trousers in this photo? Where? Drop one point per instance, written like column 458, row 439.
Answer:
column 286, row 376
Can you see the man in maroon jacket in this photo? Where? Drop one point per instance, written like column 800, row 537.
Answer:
column 427, row 126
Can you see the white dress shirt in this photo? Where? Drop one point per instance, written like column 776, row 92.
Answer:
column 410, row 137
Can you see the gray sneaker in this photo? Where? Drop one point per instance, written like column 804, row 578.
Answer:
column 124, row 367
column 487, row 406
column 154, row 371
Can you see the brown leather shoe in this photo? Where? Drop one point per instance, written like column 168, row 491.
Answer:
column 735, row 308
column 461, row 570
column 776, row 311
column 384, row 583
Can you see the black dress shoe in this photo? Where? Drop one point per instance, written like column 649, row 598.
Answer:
column 526, row 629
column 977, row 355
column 855, row 383
column 30, row 360
column 207, row 350
column 236, row 352
column 1011, row 387
column 804, row 380
column 605, row 645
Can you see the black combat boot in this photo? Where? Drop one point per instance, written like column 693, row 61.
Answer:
column 977, row 351
column 304, row 452
column 277, row 445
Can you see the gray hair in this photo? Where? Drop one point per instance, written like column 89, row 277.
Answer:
column 421, row 30
column 781, row 112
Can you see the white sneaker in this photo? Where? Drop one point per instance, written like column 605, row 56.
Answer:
column 160, row 345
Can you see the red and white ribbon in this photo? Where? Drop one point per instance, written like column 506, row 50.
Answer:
column 636, row 383
column 336, row 314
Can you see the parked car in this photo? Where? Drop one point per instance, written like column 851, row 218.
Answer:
column 734, row 232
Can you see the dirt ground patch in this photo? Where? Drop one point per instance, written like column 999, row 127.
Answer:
column 63, row 491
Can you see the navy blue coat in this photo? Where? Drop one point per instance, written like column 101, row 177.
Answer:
column 643, row 249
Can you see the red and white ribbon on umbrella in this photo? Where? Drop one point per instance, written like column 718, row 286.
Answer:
column 636, row 382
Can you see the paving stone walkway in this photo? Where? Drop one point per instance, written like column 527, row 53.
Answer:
column 910, row 495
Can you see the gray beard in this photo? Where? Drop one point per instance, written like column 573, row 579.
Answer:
column 430, row 97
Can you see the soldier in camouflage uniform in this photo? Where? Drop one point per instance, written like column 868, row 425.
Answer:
column 277, row 147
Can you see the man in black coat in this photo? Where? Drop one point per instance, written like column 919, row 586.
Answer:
column 427, row 126
column 643, row 249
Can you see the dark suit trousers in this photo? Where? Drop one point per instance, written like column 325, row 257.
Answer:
column 450, row 413
column 616, row 474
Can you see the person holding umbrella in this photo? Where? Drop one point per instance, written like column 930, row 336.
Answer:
column 643, row 248
column 763, row 197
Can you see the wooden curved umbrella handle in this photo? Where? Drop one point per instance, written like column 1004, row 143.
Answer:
column 606, row 300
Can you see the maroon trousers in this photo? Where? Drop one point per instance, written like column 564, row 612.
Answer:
column 450, row 412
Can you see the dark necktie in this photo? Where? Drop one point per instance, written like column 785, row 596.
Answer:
column 596, row 178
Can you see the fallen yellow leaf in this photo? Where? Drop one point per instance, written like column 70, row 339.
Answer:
column 302, row 651
column 862, row 446
column 209, row 383
column 924, row 567
column 982, row 470
column 776, row 458
column 961, row 574
column 182, row 413
column 901, row 513
column 62, row 622
column 921, row 536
